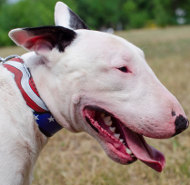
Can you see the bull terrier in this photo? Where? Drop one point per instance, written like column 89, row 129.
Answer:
column 80, row 80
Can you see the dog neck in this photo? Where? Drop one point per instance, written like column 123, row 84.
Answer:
column 22, row 76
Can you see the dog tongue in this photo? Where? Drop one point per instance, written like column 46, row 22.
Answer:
column 142, row 151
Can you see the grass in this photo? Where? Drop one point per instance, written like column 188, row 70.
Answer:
column 77, row 159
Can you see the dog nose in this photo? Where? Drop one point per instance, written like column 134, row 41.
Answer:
column 181, row 124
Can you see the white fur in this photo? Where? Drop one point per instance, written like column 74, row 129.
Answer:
column 84, row 74
column 19, row 145
column 61, row 15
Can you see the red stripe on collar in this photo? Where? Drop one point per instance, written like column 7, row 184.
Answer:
column 45, row 120
column 18, row 75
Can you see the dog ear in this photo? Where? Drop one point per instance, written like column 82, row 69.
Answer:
column 40, row 39
column 65, row 17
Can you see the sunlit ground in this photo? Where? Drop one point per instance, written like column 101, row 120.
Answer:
column 77, row 159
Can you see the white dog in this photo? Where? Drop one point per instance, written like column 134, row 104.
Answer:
column 81, row 80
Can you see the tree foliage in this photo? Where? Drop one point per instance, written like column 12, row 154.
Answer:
column 99, row 14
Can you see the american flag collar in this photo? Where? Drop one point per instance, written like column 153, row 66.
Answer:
column 23, row 78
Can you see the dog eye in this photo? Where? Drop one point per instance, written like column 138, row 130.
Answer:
column 124, row 69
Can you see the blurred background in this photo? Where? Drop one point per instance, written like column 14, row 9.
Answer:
column 160, row 28
column 99, row 14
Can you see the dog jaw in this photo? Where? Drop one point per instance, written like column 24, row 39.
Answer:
column 102, row 70
column 138, row 99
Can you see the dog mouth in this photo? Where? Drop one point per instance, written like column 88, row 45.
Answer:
column 122, row 144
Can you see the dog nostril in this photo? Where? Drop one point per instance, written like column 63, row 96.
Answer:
column 181, row 124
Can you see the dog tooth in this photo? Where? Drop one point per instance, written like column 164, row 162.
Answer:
column 112, row 129
column 128, row 151
column 109, row 123
column 122, row 140
column 117, row 135
column 107, row 119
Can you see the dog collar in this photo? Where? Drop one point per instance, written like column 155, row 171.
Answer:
column 23, row 78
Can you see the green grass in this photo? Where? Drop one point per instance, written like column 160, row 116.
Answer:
column 77, row 159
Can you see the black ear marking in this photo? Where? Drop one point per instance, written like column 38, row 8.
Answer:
column 56, row 36
column 76, row 22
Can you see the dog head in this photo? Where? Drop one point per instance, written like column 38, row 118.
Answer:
column 100, row 83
